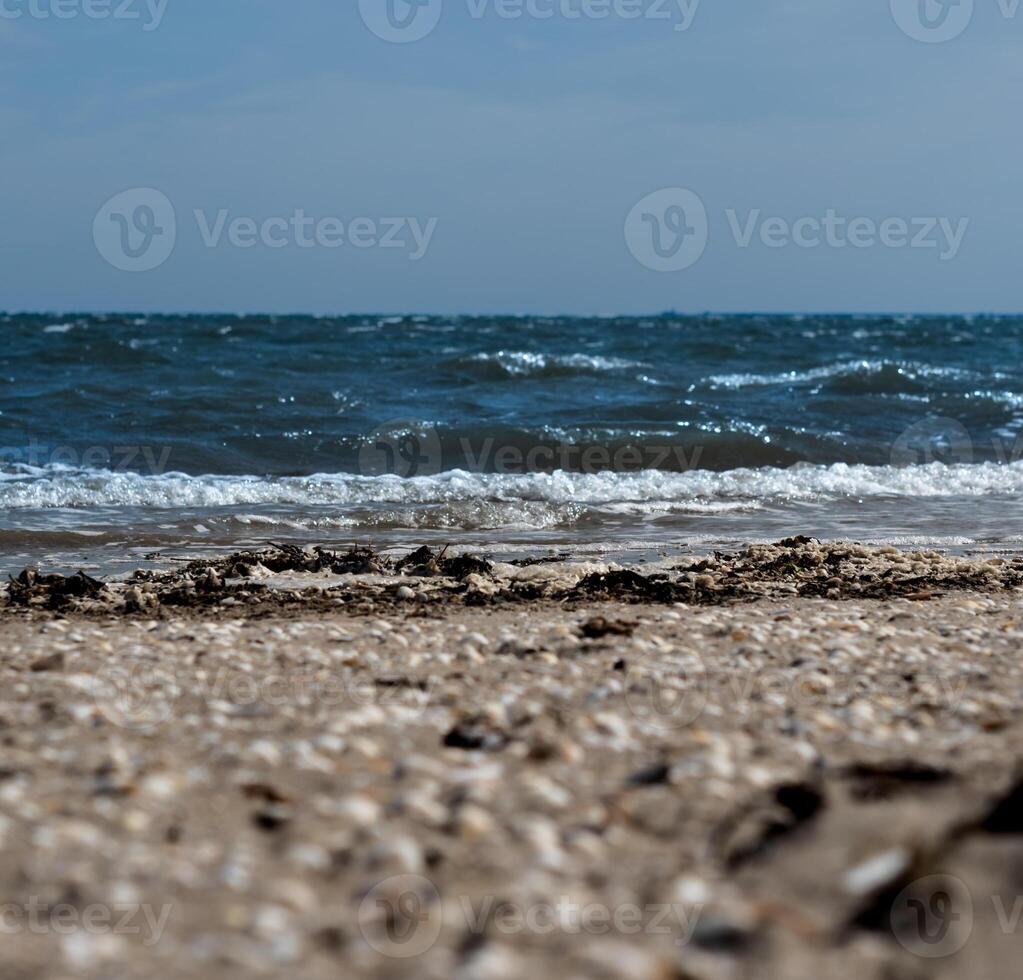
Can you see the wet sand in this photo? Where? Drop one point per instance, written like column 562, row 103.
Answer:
column 800, row 761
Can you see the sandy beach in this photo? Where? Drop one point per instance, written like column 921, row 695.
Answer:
column 511, row 490
column 797, row 761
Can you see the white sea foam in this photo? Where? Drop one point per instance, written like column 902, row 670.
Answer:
column 839, row 370
column 64, row 487
column 525, row 363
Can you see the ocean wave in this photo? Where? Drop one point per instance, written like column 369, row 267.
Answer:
column 863, row 369
column 526, row 364
column 64, row 487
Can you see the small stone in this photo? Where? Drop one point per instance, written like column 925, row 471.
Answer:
column 473, row 822
column 876, row 872
column 400, row 854
column 476, row 735
column 53, row 662
column 360, row 810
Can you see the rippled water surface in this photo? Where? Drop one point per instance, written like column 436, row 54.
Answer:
column 123, row 436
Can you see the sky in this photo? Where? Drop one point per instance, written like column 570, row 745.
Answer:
column 590, row 157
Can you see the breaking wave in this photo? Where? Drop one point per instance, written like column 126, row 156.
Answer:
column 874, row 372
column 520, row 364
column 63, row 487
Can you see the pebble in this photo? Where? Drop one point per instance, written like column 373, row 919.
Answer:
column 473, row 822
column 876, row 872
column 359, row 810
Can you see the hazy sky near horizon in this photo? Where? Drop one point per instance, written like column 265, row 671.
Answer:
column 499, row 158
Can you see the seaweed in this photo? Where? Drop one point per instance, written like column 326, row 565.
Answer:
column 52, row 591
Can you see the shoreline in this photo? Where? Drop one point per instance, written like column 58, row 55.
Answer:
column 532, row 769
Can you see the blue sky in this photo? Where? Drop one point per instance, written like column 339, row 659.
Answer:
column 527, row 142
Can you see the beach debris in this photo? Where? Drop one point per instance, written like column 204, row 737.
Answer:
column 598, row 627
column 1006, row 817
column 655, row 775
column 363, row 581
column 767, row 822
column 51, row 662
column 630, row 586
column 423, row 563
column 52, row 591
column 871, row 782
column 476, row 734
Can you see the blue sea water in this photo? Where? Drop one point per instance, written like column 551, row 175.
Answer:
column 125, row 435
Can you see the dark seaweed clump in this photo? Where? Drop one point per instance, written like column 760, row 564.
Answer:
column 424, row 580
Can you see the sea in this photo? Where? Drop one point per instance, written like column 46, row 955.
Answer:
column 131, row 440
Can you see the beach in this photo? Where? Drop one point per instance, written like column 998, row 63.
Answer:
column 515, row 490
column 800, row 759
